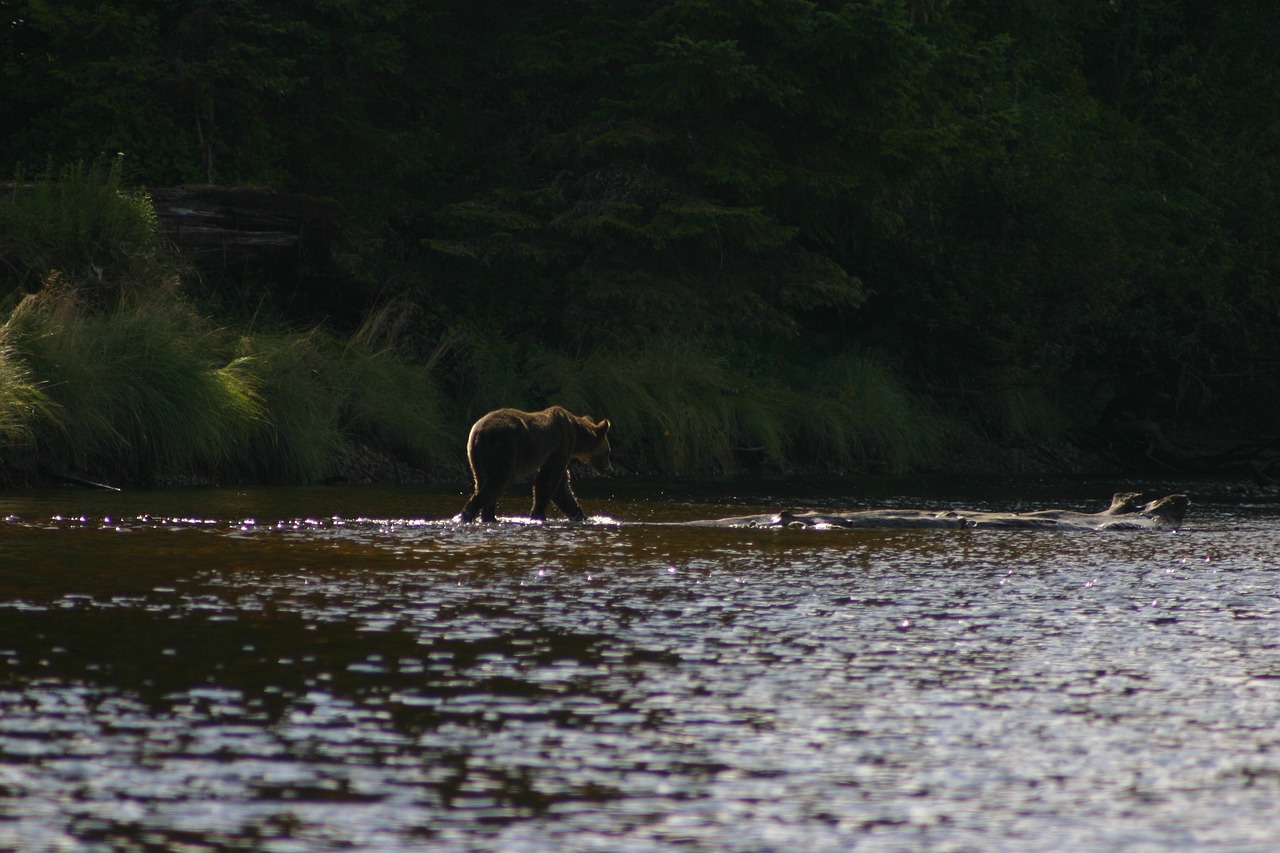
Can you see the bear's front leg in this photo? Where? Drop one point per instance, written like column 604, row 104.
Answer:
column 545, row 486
column 567, row 500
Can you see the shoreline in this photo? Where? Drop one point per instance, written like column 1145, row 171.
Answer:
column 1189, row 455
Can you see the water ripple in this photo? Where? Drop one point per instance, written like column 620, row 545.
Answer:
column 379, row 681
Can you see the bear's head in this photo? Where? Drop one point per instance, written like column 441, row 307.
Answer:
column 594, row 451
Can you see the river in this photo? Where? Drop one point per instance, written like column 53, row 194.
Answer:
column 328, row 669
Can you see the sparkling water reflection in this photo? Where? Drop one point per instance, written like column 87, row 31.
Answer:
column 326, row 670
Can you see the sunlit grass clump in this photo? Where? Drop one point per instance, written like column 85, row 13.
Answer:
column 22, row 403
column 134, row 392
column 151, row 390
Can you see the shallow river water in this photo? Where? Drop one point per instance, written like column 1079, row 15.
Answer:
column 330, row 669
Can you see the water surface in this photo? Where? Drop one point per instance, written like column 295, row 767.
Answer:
column 344, row 668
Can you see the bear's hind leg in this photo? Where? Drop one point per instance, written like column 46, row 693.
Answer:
column 471, row 509
column 484, row 502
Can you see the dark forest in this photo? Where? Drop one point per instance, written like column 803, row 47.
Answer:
column 789, row 234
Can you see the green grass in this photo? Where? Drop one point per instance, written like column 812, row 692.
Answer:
column 852, row 411
column 81, row 222
column 318, row 392
column 22, row 403
column 490, row 371
column 148, row 391
column 135, row 392
column 683, row 408
column 397, row 405
column 152, row 390
column 300, row 430
column 672, row 404
column 105, row 369
column 1021, row 411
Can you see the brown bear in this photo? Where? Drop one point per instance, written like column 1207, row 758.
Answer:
column 508, row 443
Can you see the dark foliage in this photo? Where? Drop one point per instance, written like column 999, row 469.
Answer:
column 1069, row 202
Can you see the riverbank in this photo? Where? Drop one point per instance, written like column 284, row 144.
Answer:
column 123, row 365
column 1190, row 453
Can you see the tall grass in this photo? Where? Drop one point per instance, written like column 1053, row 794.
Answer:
column 1020, row 411
column 683, row 408
column 81, row 221
column 134, row 383
column 148, row 391
column 300, row 430
column 397, row 406
column 392, row 400
column 853, row 412
column 490, row 371
column 318, row 392
column 23, row 405
column 672, row 404
column 136, row 392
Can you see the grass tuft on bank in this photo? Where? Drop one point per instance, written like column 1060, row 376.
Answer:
column 135, row 392
column 854, row 412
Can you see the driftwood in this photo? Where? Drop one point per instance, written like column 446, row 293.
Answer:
column 1128, row 511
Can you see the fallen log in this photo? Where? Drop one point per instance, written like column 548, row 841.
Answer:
column 261, row 245
column 1128, row 511
column 221, row 228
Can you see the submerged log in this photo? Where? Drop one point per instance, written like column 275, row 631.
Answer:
column 1128, row 511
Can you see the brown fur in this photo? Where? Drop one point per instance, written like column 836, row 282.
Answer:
column 508, row 443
